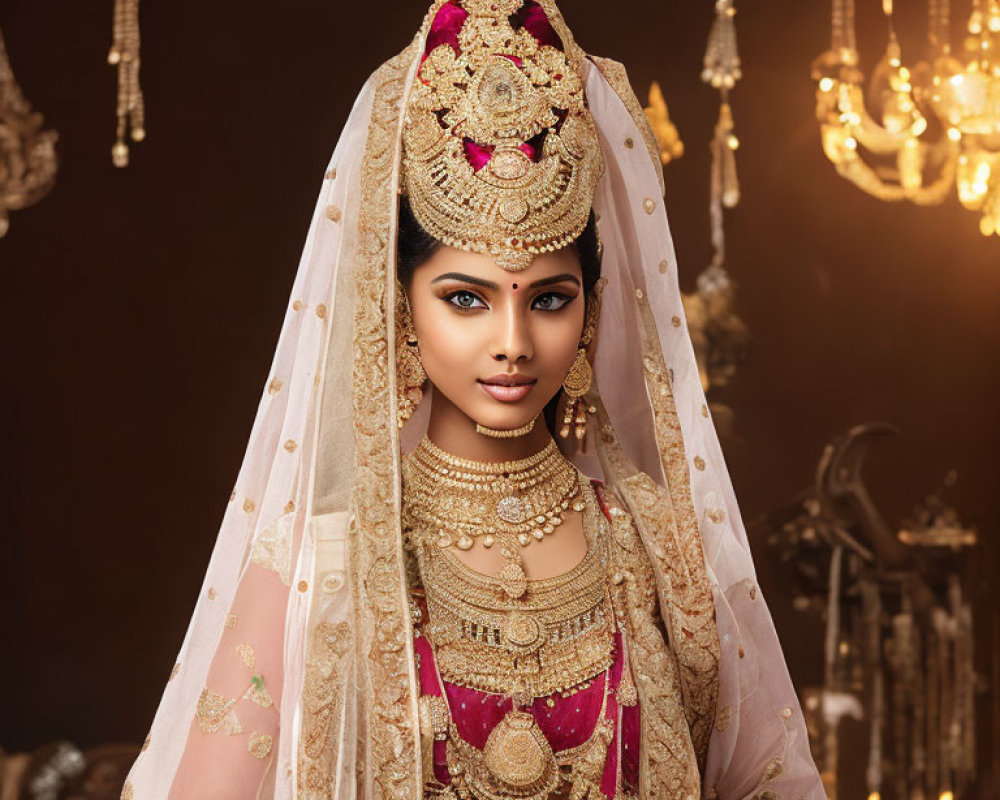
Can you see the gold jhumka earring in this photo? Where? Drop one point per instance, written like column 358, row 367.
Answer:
column 410, row 374
column 580, row 377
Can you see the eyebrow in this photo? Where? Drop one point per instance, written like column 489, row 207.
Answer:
column 458, row 276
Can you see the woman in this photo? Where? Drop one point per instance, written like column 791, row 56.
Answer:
column 416, row 591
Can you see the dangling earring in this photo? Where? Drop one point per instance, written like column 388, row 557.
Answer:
column 576, row 384
column 410, row 375
column 580, row 377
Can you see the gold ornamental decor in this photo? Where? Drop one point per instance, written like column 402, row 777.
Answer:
column 917, row 134
column 28, row 161
column 124, row 54
column 501, row 155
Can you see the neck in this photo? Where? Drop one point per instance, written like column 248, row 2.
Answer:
column 455, row 432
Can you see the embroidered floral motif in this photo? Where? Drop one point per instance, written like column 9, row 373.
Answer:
column 259, row 744
column 273, row 548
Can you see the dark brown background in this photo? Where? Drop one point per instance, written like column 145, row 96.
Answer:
column 141, row 308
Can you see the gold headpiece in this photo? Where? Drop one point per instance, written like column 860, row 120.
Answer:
column 501, row 155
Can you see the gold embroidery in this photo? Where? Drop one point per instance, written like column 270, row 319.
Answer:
column 786, row 712
column 388, row 740
column 667, row 757
column 216, row 713
column 212, row 594
column 704, row 411
column 333, row 213
column 640, row 293
column 616, row 76
column 773, row 769
column 297, row 305
column 231, row 621
column 303, row 586
column 664, row 266
column 723, row 718
column 332, row 174
column 274, row 386
column 273, row 548
column 716, row 515
column 321, row 311
column 127, row 792
column 145, row 744
column 322, row 694
column 259, row 744
column 699, row 463
column 289, row 506
column 688, row 597
column 649, row 205
column 629, row 143
column 291, row 446
column 232, row 496
column 675, row 321
column 248, row 505
column 174, row 671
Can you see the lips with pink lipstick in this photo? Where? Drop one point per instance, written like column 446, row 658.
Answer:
column 508, row 388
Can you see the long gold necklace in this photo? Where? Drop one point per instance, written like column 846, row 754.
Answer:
column 506, row 635
column 453, row 501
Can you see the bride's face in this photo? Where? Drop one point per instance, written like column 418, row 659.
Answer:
column 494, row 343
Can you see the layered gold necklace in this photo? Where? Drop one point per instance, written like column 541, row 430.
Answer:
column 455, row 501
column 505, row 634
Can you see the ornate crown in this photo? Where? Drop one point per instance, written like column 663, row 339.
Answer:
column 501, row 155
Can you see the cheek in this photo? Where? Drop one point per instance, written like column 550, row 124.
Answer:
column 448, row 342
column 557, row 343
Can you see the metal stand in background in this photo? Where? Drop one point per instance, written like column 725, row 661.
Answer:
column 899, row 628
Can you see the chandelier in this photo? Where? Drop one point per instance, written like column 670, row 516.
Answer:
column 27, row 151
column 915, row 134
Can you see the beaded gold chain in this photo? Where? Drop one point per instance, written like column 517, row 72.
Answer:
column 452, row 501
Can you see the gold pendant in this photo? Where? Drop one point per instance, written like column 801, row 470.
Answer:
column 518, row 754
column 513, row 580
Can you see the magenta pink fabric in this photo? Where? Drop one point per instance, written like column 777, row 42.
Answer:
column 569, row 722
column 479, row 154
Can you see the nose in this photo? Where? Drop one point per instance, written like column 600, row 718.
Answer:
column 512, row 341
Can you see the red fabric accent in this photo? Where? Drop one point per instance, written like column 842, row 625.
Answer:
column 479, row 155
column 532, row 18
column 445, row 28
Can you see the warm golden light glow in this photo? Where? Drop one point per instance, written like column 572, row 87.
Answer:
column 874, row 796
column 880, row 136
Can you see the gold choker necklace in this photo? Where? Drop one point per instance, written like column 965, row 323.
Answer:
column 516, row 433
column 452, row 501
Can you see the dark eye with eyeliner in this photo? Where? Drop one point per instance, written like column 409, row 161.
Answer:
column 551, row 301
column 464, row 300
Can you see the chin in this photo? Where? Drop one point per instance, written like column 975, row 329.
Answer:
column 505, row 419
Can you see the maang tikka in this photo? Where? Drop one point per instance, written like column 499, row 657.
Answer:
column 580, row 377
column 410, row 374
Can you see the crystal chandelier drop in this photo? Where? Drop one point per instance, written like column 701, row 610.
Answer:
column 124, row 54
column 915, row 134
column 27, row 153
